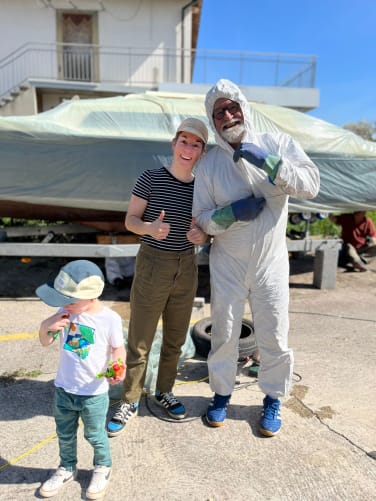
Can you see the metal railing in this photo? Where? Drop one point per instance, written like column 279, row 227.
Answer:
column 148, row 67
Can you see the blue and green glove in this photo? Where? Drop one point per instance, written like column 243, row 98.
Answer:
column 245, row 209
column 256, row 156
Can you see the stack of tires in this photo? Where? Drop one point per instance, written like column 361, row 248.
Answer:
column 201, row 336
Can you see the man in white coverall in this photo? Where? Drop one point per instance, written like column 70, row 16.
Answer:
column 241, row 196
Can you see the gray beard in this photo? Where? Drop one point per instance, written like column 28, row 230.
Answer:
column 233, row 135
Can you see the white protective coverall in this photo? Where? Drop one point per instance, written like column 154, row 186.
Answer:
column 249, row 260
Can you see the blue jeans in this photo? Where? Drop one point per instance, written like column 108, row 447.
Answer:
column 93, row 412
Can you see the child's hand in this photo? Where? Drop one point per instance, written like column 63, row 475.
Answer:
column 115, row 372
column 119, row 373
column 58, row 323
column 116, row 379
column 52, row 327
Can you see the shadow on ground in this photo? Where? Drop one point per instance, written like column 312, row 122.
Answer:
column 32, row 396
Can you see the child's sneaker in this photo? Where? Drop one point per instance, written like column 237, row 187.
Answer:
column 60, row 478
column 173, row 406
column 271, row 417
column 99, row 481
column 123, row 414
column 217, row 410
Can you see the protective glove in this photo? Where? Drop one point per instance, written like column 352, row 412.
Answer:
column 256, row 156
column 245, row 209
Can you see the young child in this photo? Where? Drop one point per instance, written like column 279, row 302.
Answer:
column 90, row 335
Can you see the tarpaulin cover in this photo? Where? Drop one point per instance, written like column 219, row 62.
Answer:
column 89, row 153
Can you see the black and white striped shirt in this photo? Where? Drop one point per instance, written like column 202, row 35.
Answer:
column 163, row 191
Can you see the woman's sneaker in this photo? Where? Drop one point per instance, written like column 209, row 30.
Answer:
column 173, row 406
column 98, row 483
column 217, row 410
column 60, row 478
column 123, row 414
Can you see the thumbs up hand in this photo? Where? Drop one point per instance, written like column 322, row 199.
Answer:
column 160, row 230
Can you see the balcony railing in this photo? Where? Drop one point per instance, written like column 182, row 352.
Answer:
column 146, row 67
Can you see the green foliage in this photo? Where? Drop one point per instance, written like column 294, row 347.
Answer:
column 363, row 129
column 10, row 221
column 325, row 227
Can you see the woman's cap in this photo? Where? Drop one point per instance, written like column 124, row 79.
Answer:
column 194, row 126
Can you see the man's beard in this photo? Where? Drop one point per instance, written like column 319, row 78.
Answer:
column 234, row 134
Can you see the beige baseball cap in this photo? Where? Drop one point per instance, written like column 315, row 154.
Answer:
column 194, row 126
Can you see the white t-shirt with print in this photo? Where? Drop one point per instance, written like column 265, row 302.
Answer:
column 85, row 350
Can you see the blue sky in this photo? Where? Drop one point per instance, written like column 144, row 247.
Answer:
column 341, row 33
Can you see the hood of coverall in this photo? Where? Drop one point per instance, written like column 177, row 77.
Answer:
column 225, row 89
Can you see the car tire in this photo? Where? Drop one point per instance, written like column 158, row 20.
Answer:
column 201, row 336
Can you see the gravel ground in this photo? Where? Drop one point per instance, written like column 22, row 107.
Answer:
column 324, row 451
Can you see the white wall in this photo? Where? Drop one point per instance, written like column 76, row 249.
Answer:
column 23, row 21
column 152, row 25
column 134, row 23
column 146, row 27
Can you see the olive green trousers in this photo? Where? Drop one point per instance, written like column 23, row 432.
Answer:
column 164, row 285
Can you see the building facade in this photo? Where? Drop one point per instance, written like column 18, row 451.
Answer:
column 62, row 49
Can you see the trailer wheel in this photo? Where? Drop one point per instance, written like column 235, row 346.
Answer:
column 201, row 336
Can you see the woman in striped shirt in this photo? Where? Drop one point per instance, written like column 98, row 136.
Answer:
column 165, row 280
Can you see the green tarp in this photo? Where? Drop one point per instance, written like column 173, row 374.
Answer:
column 88, row 153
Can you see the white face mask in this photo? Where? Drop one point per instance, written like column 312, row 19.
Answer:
column 233, row 135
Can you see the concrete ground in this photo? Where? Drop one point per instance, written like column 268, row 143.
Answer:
column 326, row 449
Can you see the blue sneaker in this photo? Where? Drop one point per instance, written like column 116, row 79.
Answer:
column 217, row 410
column 123, row 414
column 173, row 406
column 270, row 423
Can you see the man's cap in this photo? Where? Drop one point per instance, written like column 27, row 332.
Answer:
column 76, row 280
column 194, row 126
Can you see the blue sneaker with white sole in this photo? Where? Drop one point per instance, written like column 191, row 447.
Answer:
column 217, row 410
column 270, row 423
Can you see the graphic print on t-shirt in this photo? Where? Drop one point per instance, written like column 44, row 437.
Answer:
column 79, row 339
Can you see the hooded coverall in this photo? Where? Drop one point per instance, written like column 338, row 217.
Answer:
column 249, row 260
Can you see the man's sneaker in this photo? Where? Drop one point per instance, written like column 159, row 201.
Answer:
column 60, row 478
column 123, row 414
column 173, row 406
column 98, row 483
column 217, row 410
column 270, row 417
